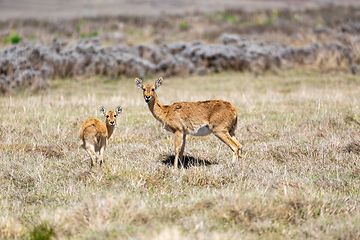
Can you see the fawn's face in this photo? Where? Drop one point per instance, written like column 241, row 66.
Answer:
column 111, row 118
column 148, row 90
column 111, row 115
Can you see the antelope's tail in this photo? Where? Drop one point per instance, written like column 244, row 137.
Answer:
column 234, row 125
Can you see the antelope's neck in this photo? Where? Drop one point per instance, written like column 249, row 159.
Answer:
column 110, row 130
column 157, row 109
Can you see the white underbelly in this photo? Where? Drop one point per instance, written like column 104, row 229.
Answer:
column 201, row 131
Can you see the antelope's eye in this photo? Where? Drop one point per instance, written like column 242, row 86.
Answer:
column 107, row 116
column 144, row 89
column 153, row 90
column 114, row 116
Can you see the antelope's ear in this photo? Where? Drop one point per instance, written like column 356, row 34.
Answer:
column 102, row 110
column 118, row 110
column 158, row 82
column 139, row 83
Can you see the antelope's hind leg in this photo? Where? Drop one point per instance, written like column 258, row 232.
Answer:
column 232, row 142
column 90, row 149
column 101, row 152
column 238, row 155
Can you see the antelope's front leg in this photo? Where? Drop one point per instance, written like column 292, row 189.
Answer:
column 178, row 146
column 181, row 154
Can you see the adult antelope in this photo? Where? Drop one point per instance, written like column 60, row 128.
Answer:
column 95, row 133
column 196, row 118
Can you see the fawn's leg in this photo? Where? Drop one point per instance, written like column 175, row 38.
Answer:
column 101, row 152
column 90, row 149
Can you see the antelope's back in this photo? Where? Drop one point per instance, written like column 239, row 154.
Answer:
column 93, row 127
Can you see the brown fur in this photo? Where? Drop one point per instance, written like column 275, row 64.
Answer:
column 95, row 133
column 196, row 118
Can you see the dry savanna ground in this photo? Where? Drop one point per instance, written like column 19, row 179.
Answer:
column 299, row 178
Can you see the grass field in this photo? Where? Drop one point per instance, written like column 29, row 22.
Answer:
column 299, row 178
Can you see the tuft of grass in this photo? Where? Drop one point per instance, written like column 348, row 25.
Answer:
column 80, row 24
column 42, row 232
column 224, row 16
column 297, row 17
column 93, row 34
column 183, row 25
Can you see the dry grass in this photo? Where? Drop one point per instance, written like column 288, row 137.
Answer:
column 300, row 176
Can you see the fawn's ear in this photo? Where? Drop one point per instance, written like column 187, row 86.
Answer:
column 118, row 110
column 102, row 110
column 139, row 83
column 158, row 82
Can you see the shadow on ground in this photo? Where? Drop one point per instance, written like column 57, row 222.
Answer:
column 187, row 162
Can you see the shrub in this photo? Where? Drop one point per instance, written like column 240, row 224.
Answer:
column 13, row 39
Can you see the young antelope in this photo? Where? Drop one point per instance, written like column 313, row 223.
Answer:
column 95, row 133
